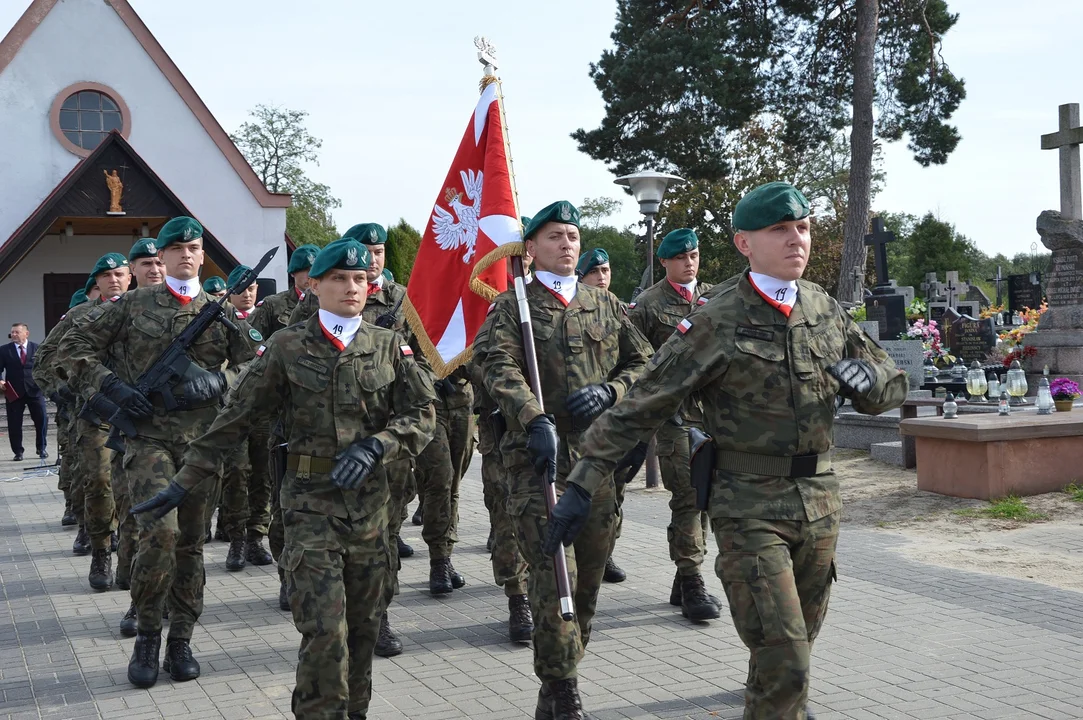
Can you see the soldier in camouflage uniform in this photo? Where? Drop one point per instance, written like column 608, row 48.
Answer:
column 135, row 330
column 588, row 355
column 215, row 287
column 353, row 398
column 766, row 355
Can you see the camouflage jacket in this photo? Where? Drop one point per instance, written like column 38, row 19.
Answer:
column 49, row 374
column 272, row 313
column 329, row 399
column 589, row 341
column 765, row 390
column 305, row 308
column 133, row 331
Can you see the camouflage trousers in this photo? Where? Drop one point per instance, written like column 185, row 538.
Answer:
column 338, row 576
column 246, row 489
column 400, row 485
column 558, row 645
column 77, row 485
column 509, row 567
column 63, row 433
column 127, row 527
column 687, row 531
column 169, row 556
column 439, row 469
column 777, row 575
column 99, row 509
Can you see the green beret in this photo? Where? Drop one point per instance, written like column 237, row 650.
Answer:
column 214, row 284
column 342, row 254
column 524, row 220
column 107, row 262
column 302, row 258
column 388, row 275
column 367, row 233
column 77, row 298
column 235, row 276
column 179, row 229
column 769, row 204
column 143, row 249
column 590, row 260
column 561, row 211
column 676, row 242
column 91, row 283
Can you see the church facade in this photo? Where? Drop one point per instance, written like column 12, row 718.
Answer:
column 102, row 140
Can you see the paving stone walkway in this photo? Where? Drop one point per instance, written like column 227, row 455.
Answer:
column 902, row 641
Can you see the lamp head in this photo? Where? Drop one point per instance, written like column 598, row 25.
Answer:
column 648, row 187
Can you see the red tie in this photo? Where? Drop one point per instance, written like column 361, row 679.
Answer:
column 682, row 291
column 374, row 288
column 334, row 340
column 182, row 299
column 22, row 354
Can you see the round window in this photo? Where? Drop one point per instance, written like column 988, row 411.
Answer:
column 84, row 114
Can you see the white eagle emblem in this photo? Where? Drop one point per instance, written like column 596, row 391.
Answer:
column 451, row 235
column 111, row 262
column 351, row 256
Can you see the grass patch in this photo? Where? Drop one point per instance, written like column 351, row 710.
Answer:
column 1075, row 493
column 1008, row 508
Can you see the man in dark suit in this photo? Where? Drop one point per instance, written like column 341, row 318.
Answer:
column 20, row 390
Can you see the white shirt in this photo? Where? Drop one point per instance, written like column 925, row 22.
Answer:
column 187, row 288
column 784, row 292
column 345, row 329
column 563, row 286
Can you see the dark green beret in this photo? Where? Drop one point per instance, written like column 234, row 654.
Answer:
column 561, row 211
column 343, row 254
column 524, row 220
column 107, row 262
column 179, row 229
column 235, row 276
column 78, row 298
column 388, row 275
column 302, row 258
column 214, row 284
column 367, row 233
column 676, row 242
column 769, row 204
column 145, row 248
column 590, row 260
column 91, row 283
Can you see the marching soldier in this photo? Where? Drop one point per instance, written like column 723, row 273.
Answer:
column 353, row 398
column 147, row 267
column 136, row 329
column 215, row 287
column 588, row 355
column 766, row 355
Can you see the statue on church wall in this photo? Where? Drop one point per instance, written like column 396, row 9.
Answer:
column 116, row 189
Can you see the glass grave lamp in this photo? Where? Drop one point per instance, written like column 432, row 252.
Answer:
column 951, row 408
column 1017, row 383
column 1005, row 407
column 976, row 384
column 958, row 371
column 1045, row 397
column 993, row 386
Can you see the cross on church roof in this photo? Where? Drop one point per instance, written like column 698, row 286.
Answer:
column 1067, row 139
column 879, row 238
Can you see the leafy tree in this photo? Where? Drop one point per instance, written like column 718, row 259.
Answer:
column 936, row 246
column 620, row 245
column 277, row 146
column 403, row 242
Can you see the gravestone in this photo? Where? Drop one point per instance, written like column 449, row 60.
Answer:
column 973, row 339
column 885, row 306
column 871, row 328
column 909, row 355
column 936, row 312
column 968, row 308
column 1024, row 291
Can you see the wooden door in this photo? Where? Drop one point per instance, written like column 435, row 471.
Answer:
column 59, row 287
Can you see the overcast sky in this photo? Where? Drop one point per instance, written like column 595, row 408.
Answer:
column 389, row 88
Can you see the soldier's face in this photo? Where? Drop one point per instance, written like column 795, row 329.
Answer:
column 780, row 250
column 555, row 247
column 114, row 282
column 377, row 265
column 599, row 276
column 342, row 292
column 148, row 271
column 300, row 280
column 682, row 269
column 183, row 259
column 245, row 300
column 217, row 295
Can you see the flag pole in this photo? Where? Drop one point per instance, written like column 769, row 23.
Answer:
column 486, row 55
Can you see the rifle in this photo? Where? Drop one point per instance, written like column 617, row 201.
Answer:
column 173, row 363
column 387, row 319
column 549, row 491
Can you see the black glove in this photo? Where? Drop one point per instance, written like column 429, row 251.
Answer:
column 541, row 444
column 589, row 402
column 356, row 462
column 629, row 465
column 128, row 398
column 65, row 394
column 569, row 515
column 201, row 385
column 442, row 388
column 855, row 376
column 102, row 406
column 163, row 502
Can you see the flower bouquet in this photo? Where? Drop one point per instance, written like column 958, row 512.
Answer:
column 1064, row 392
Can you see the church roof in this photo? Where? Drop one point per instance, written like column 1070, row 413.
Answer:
column 39, row 9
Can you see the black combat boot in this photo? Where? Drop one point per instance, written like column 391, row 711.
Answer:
column 210, row 536
column 143, row 667
column 675, row 593
column 489, row 542
column 457, row 580
column 404, row 549
column 808, row 714
column 255, row 553
column 114, row 539
column 81, row 546
column 101, row 570
column 544, row 710
column 179, row 662
column 695, row 603
column 220, row 532
column 129, row 625
column 520, row 621
column 566, row 703
column 418, row 517
column 69, row 516
column 235, row 556
column 440, row 576
column 355, row 716
column 387, row 645
column 613, row 573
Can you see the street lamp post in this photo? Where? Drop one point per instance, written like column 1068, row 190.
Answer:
column 648, row 187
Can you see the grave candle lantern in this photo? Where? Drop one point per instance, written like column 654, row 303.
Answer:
column 1017, row 383
column 976, row 384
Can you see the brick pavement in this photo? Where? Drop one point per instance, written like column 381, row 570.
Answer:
column 903, row 640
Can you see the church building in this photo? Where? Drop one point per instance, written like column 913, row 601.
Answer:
column 102, row 140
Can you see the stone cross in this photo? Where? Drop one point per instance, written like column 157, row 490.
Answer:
column 879, row 238
column 1067, row 139
column 998, row 280
column 954, row 287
